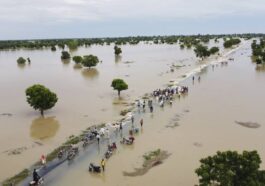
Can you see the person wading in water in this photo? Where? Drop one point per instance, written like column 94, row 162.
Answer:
column 103, row 162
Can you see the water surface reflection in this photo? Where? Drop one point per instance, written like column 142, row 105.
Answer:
column 43, row 128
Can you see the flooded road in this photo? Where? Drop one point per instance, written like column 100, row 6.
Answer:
column 206, row 122
column 85, row 96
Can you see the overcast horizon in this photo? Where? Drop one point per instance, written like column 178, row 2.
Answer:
column 36, row 19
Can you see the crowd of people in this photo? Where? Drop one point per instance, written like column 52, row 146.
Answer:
column 161, row 96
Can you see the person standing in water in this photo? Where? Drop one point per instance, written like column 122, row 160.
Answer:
column 43, row 160
column 120, row 127
column 98, row 138
column 132, row 118
column 141, row 122
column 102, row 163
column 199, row 78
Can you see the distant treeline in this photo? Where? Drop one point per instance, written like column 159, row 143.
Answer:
column 183, row 40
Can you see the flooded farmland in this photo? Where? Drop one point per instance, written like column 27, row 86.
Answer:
column 207, row 121
column 194, row 127
column 85, row 96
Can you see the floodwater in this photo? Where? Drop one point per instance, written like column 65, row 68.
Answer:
column 85, row 96
column 205, row 124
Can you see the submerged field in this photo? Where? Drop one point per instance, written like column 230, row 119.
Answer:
column 194, row 127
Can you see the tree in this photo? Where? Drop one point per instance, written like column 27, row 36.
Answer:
column 231, row 169
column 201, row 51
column 214, row 50
column 119, row 85
column 73, row 44
column 77, row 59
column 65, row 55
column 117, row 50
column 233, row 41
column 53, row 48
column 90, row 61
column 40, row 98
column 21, row 61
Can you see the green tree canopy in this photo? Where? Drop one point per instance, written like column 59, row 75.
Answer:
column 119, row 85
column 232, row 41
column 90, row 61
column 214, row 50
column 231, row 169
column 65, row 55
column 77, row 59
column 201, row 51
column 21, row 60
column 53, row 48
column 117, row 50
column 73, row 44
column 40, row 98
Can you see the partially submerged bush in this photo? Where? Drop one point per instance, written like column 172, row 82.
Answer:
column 21, row 61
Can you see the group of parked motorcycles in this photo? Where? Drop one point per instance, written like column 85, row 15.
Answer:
column 70, row 152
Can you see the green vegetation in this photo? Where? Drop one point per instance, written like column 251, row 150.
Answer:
column 151, row 155
column 187, row 41
column 21, row 61
column 17, row 178
column 40, row 98
column 65, row 55
column 90, row 61
column 214, row 50
column 72, row 44
column 117, row 50
column 151, row 159
column 119, row 85
column 231, row 42
column 77, row 59
column 203, row 51
column 258, row 51
column 53, row 48
column 231, row 169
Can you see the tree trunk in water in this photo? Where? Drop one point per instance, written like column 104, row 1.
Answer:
column 41, row 112
column 119, row 93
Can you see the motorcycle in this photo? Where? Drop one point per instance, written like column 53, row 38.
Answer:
column 94, row 168
column 108, row 154
column 127, row 141
column 112, row 147
column 85, row 143
column 72, row 153
column 60, row 154
column 40, row 182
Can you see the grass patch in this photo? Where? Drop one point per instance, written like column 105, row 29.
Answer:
column 125, row 111
column 17, row 178
column 151, row 155
column 151, row 159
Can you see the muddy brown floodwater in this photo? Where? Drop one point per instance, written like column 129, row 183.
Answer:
column 206, row 123
column 85, row 96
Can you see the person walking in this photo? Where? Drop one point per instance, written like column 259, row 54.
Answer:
column 98, row 138
column 132, row 118
column 151, row 108
column 141, row 122
column 102, row 163
column 43, row 160
column 120, row 126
